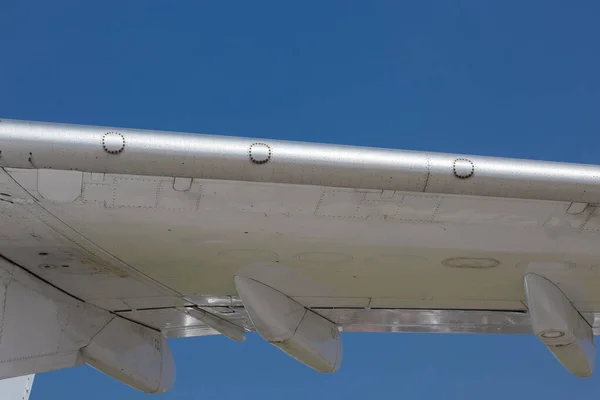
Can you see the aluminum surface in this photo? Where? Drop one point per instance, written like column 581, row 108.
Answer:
column 433, row 321
column 134, row 242
column 46, row 246
column 403, row 320
column 18, row 388
column 27, row 144
column 147, row 224
column 162, row 239
column 429, row 321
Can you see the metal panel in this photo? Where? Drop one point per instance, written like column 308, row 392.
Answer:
column 155, row 302
column 162, row 318
column 60, row 186
column 375, row 320
column 173, row 323
column 333, row 302
column 429, row 321
column 18, row 388
column 383, row 320
column 497, row 211
column 450, row 304
column 43, row 244
column 473, row 260
column 61, row 146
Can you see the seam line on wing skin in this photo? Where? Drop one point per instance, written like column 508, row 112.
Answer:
column 4, row 308
column 306, row 311
column 113, row 316
column 8, row 260
column 587, row 219
column 135, row 322
column 428, row 172
column 88, row 241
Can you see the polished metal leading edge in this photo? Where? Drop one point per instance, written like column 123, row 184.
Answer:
column 25, row 144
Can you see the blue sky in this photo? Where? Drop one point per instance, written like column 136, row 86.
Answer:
column 517, row 79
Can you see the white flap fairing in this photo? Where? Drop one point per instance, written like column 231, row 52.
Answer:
column 285, row 323
column 559, row 326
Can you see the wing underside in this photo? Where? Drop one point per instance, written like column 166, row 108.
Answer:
column 154, row 228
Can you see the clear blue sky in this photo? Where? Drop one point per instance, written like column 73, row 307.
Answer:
column 518, row 79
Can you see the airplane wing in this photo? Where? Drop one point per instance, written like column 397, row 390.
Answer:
column 112, row 240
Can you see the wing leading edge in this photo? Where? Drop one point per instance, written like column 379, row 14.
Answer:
column 26, row 144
